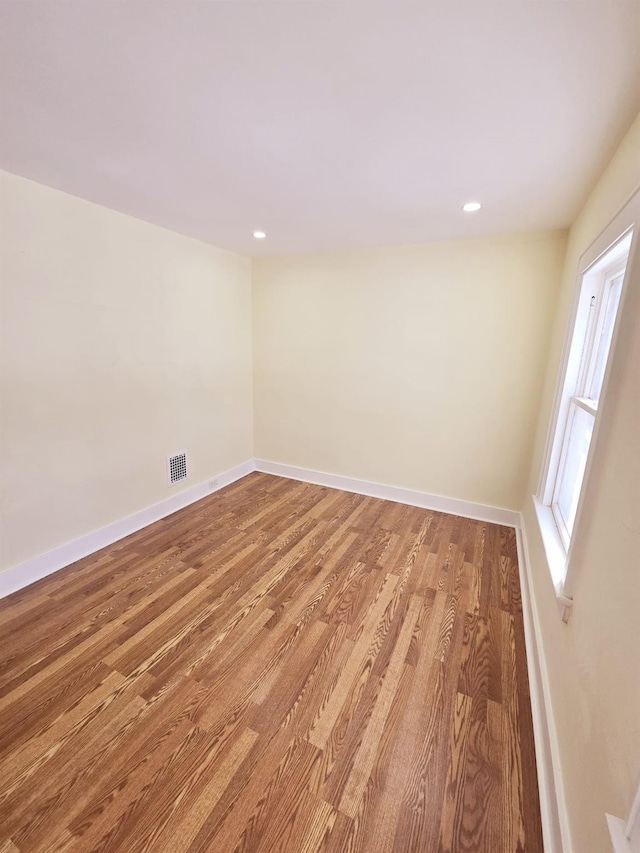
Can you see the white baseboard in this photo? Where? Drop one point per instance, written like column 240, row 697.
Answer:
column 555, row 824
column 467, row 509
column 32, row 570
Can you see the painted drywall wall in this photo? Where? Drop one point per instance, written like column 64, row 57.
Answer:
column 418, row 366
column 121, row 342
column 594, row 661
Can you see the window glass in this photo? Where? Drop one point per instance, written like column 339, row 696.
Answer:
column 580, row 429
column 612, row 295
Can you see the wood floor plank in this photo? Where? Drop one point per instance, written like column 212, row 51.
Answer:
column 365, row 757
column 326, row 720
column 284, row 801
column 25, row 759
column 182, row 832
column 456, row 774
column 101, row 822
column 243, row 804
column 43, row 806
column 278, row 667
column 425, row 724
column 474, row 664
column 82, row 622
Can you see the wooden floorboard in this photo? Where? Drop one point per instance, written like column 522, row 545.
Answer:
column 279, row 667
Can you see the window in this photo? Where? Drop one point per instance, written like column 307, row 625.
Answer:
column 602, row 292
column 580, row 390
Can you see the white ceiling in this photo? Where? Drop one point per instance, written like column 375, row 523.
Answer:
column 326, row 124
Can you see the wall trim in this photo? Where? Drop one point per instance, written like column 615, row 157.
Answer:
column 619, row 840
column 454, row 506
column 555, row 823
column 625, row 837
column 38, row 567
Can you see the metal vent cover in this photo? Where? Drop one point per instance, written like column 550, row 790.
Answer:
column 177, row 467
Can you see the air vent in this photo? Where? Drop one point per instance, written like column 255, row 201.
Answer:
column 177, row 467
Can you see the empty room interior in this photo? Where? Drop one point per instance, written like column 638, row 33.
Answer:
column 320, row 426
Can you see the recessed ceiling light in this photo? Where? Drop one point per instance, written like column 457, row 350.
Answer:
column 471, row 206
column 259, row 235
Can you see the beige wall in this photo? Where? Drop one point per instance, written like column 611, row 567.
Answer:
column 121, row 342
column 594, row 661
column 418, row 366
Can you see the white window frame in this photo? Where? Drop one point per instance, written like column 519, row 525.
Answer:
column 622, row 234
column 596, row 287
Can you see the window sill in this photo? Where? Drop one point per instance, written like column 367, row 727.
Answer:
column 554, row 552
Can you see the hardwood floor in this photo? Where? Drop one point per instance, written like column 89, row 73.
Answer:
column 279, row 667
